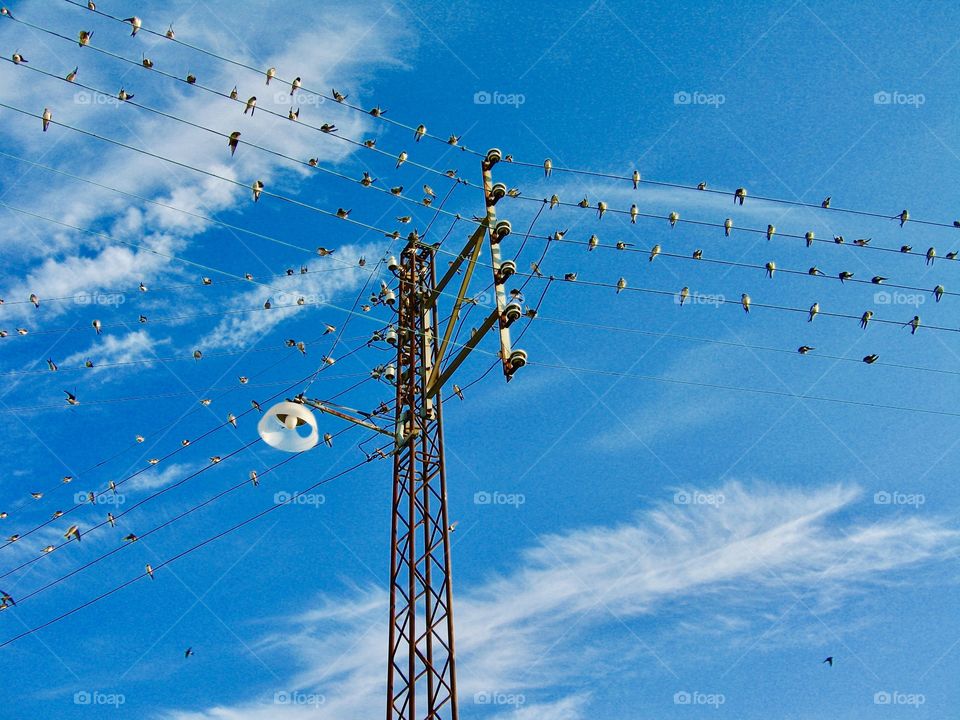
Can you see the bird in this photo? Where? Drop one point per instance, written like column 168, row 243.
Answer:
column 293, row 114
column 234, row 94
column 6, row 598
column 829, row 660
column 952, row 255
column 233, row 141
column 232, row 419
column 302, row 347
column 191, row 79
column 621, row 245
column 673, row 217
column 215, row 459
column 633, row 214
column 601, row 209
column 809, row 237
column 826, row 202
column 838, row 239
column 256, row 406
column 146, row 62
column 251, row 105
column 745, row 302
column 815, row 271
column 49, row 549
column 51, row 364
column 429, row 191
column 123, row 95
column 804, row 349
column 188, row 652
column 149, row 568
column 96, row 326
column 903, row 216
column 295, row 85
column 135, row 24
column 72, row 75
column 653, row 253
column 862, row 242
column 547, row 167
column 338, row 96
column 592, row 243
column 938, row 292
column 914, row 324
column 254, row 478
column 845, row 275
column 636, row 179
column 878, row 279
column 35, row 300
column 554, row 201
column 343, row 214
column 727, row 226
column 271, row 74
column 701, row 186
column 71, row 398
column 457, row 391
column 132, row 537
column 18, row 58
column 140, row 438
column 197, row 355
column 621, row 285
column 684, row 294
column 72, row 532
column 570, row 277
column 931, row 255
column 452, row 526
column 47, row 116
column 535, row 268
column 419, row 132
column 739, row 196
column 584, row 203
column 771, row 268
column 366, row 180
column 36, row 495
column 257, row 189
column 865, row 318
column 328, row 439
column 870, row 359
column 206, row 281
column 243, row 379
column 697, row 254
column 770, row 231
column 401, row 158
column 906, row 248
column 142, row 288
column 814, row 309
column 5, row 11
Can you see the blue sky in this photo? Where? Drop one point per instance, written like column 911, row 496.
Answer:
column 659, row 547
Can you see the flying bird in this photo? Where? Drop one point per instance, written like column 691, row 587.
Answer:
column 71, row 398
column 829, row 660
column 72, row 532
column 96, row 326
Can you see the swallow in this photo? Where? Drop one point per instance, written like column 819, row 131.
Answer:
column 914, row 324
column 826, row 202
column 191, row 79
column 870, row 359
column 233, row 142
column 653, row 253
column 878, row 279
column 72, row 75
column 844, row 276
column 251, row 105
column 952, row 255
column 142, row 288
column 401, row 158
column 215, row 459
column 673, row 217
column 535, row 268
column 51, row 364
column 770, row 231
column 903, row 217
column 584, row 203
column 745, row 302
column 7, row 13
column 254, row 478
column 146, row 62
column 938, row 292
column 862, row 242
column 547, row 167
column 697, row 254
column 293, row 114
column 684, row 294
column 295, row 85
column 149, row 568
column 188, row 652
column 96, row 326
column 271, row 74
column 197, row 355
column 232, row 419
column 338, row 96
column 49, row 549
column 256, row 406
column 727, row 226
column 132, row 537
column 71, row 398
column 592, row 243
column 123, row 95
column 931, row 255
column 771, row 268
column 35, row 300
column 570, row 277
column 804, row 349
column 633, row 214
column 739, row 196
column 234, row 95
column 135, row 24
column 865, row 319
column 18, row 58
column 815, row 271
column 814, row 309
column 829, row 660
column 328, row 439
column 84, row 37
column 809, row 237
column 701, row 186
column 257, row 189
column 378, row 111
column 343, row 214
column 457, row 391
column 73, row 532
column 838, row 239
column 554, row 201
column 601, row 209
column 621, row 285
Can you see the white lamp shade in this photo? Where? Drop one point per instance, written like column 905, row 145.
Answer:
column 290, row 427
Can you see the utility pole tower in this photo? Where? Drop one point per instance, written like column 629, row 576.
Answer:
column 421, row 674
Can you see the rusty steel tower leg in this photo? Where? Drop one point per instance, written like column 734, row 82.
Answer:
column 421, row 674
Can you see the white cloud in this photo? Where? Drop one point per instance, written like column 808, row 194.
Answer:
column 764, row 540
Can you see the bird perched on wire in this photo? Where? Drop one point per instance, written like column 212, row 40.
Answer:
column 878, row 279
column 906, row 248
column 804, row 349
column 865, row 318
column 697, row 254
column 570, row 277
column 634, row 211
column 903, row 216
column 254, row 478
column 684, row 294
column 771, row 268
column 621, row 285
column 809, row 237
column 257, row 189
column 739, row 195
column 72, row 75
column 71, row 398
column 745, row 302
column 770, row 231
column 815, row 271
column 914, row 324
column 601, row 209
column 251, row 105
column 233, row 141
column 271, row 74
column 135, row 23
column 35, row 300
column 47, row 117
column 871, row 359
column 673, row 217
column 123, row 95
column 931, row 255
column 938, row 292
column 814, row 309
column 343, row 214
column 727, row 226
column 654, row 251
column 845, row 275
column 554, row 201
column 419, row 132
column 547, row 167
column 18, row 58
column 826, row 202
